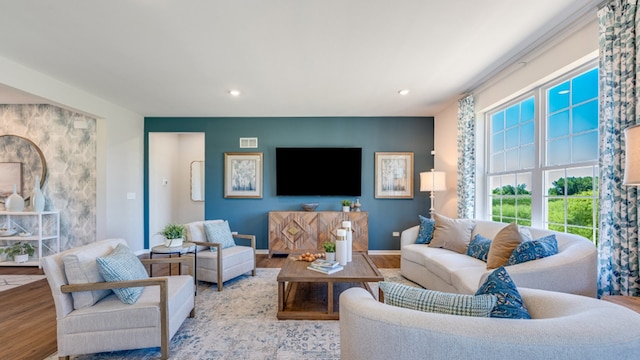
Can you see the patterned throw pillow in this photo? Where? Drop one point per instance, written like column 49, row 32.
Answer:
column 534, row 249
column 219, row 232
column 425, row 232
column 123, row 265
column 435, row 301
column 503, row 244
column 479, row 247
column 510, row 304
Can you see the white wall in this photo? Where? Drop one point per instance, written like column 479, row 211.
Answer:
column 120, row 144
column 575, row 47
column 191, row 149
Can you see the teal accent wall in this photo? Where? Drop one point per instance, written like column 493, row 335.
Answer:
column 372, row 134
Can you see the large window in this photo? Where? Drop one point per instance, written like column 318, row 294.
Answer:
column 543, row 153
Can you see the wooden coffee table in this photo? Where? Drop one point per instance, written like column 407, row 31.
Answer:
column 304, row 294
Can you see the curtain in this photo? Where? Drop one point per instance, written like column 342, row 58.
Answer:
column 466, row 158
column 618, row 227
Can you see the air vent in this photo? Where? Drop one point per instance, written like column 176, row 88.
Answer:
column 248, row 143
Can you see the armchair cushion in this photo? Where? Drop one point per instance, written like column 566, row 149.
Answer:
column 219, row 232
column 122, row 265
column 81, row 268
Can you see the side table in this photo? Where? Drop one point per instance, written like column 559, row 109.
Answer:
column 187, row 247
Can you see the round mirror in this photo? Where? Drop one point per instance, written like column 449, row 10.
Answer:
column 21, row 160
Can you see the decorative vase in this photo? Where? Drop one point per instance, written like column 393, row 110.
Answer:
column 37, row 198
column 341, row 247
column 330, row 256
column 21, row 258
column 173, row 242
column 14, row 202
column 347, row 227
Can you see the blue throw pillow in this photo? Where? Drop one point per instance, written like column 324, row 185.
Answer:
column 425, row 232
column 510, row 304
column 123, row 265
column 219, row 232
column 534, row 249
column 479, row 247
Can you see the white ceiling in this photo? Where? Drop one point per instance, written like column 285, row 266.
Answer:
column 287, row 57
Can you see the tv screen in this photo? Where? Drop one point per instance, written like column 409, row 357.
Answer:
column 319, row 171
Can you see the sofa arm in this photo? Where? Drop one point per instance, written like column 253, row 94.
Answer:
column 409, row 236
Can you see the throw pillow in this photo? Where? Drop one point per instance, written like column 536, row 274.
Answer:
column 219, row 232
column 425, row 232
column 509, row 302
column 123, row 265
column 81, row 268
column 452, row 234
column 435, row 301
column 479, row 247
column 503, row 244
column 534, row 249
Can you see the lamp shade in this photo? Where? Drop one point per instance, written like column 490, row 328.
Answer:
column 433, row 181
column 632, row 155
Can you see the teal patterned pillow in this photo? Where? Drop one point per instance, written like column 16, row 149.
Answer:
column 435, row 301
column 425, row 232
column 123, row 265
column 510, row 304
column 219, row 232
column 534, row 249
column 479, row 247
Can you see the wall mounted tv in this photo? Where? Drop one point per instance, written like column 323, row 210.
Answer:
column 326, row 171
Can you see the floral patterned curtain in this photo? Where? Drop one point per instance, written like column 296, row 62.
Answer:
column 618, row 239
column 466, row 158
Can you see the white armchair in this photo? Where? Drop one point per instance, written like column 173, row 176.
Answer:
column 109, row 324
column 216, row 264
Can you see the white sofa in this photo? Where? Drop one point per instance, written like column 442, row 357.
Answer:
column 572, row 270
column 563, row 326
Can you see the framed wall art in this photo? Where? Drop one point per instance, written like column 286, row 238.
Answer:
column 243, row 175
column 394, row 175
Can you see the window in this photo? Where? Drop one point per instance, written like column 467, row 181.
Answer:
column 543, row 156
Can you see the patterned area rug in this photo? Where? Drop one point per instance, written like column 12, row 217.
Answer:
column 11, row 281
column 240, row 323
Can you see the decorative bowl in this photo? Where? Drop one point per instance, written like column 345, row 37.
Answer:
column 309, row 206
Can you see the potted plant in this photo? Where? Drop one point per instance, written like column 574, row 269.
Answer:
column 346, row 205
column 173, row 235
column 19, row 252
column 330, row 250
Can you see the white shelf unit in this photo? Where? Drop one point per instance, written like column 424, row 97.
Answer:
column 44, row 228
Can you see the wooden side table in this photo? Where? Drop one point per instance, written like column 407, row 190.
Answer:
column 630, row 302
column 187, row 247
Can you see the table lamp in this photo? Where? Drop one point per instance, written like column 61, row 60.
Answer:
column 433, row 181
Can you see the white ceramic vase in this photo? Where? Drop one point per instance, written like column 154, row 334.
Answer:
column 14, row 202
column 347, row 227
column 37, row 198
column 173, row 242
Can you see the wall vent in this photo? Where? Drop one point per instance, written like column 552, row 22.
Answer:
column 246, row 143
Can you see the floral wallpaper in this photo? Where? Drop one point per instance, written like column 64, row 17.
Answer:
column 68, row 143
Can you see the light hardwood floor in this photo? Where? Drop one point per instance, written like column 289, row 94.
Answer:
column 28, row 319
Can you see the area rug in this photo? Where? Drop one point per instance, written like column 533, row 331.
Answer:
column 240, row 323
column 12, row 281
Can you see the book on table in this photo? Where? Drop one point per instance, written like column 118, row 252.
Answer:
column 325, row 270
column 324, row 263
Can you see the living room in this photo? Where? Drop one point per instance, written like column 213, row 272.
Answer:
column 115, row 198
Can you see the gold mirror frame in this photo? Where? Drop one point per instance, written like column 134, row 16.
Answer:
column 17, row 153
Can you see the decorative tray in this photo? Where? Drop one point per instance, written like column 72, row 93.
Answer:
column 7, row 232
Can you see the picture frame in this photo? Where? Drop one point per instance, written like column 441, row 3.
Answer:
column 394, row 175
column 10, row 174
column 243, row 175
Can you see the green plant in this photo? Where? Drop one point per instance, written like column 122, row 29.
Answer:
column 173, row 231
column 346, row 202
column 19, row 248
column 329, row 246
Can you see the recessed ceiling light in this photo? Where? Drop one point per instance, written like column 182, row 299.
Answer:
column 234, row 92
column 403, row 92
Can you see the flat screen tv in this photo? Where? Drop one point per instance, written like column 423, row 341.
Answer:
column 327, row 171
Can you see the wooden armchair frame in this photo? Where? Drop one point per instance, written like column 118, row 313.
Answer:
column 157, row 281
column 218, row 246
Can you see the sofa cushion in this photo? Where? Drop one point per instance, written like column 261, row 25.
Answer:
column 534, row 249
column 452, row 234
column 437, row 302
column 81, row 268
column 509, row 304
column 479, row 247
column 123, row 265
column 219, row 232
column 503, row 244
column 425, row 231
